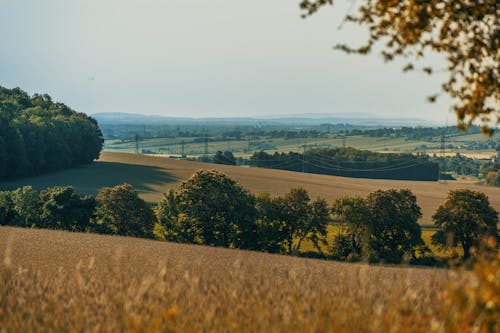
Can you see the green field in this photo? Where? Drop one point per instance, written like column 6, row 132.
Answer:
column 195, row 146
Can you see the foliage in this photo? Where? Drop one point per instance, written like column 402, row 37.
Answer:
column 26, row 205
column 120, row 211
column 217, row 210
column 226, row 157
column 38, row 135
column 177, row 227
column 269, row 227
column 62, row 208
column 459, row 164
column 465, row 32
column 352, row 242
column 396, row 235
column 491, row 174
column 465, row 218
column 302, row 219
column 350, row 162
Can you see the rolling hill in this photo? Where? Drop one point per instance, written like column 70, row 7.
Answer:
column 152, row 176
column 75, row 282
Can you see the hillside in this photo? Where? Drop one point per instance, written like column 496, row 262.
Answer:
column 152, row 176
column 86, row 282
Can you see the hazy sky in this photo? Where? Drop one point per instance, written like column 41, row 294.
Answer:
column 201, row 58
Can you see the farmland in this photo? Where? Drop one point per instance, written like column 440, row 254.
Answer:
column 465, row 144
column 60, row 281
column 152, row 176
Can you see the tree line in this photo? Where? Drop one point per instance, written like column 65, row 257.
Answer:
column 351, row 162
column 212, row 209
column 38, row 135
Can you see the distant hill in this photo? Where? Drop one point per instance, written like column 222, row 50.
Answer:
column 361, row 119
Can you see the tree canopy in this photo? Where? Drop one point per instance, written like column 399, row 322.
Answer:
column 466, row 32
column 465, row 218
column 38, row 135
column 216, row 210
column 120, row 211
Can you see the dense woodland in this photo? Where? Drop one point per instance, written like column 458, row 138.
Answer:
column 38, row 135
column 350, row 162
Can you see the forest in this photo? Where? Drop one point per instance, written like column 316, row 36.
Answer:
column 350, row 162
column 38, row 135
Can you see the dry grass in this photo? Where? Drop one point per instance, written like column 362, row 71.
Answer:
column 59, row 281
column 153, row 176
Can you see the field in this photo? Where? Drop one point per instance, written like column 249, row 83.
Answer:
column 152, row 176
column 59, row 281
column 245, row 147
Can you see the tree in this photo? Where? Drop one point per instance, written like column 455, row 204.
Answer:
column 120, row 211
column 467, row 33
column 62, row 208
column 269, row 227
column 226, row 157
column 465, row 218
column 218, row 211
column 8, row 216
column 26, row 202
column 38, row 135
column 177, row 228
column 353, row 215
column 302, row 219
column 395, row 232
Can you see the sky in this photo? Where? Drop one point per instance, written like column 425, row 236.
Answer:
column 199, row 58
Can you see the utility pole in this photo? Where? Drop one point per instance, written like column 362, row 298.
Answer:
column 343, row 141
column 205, row 152
column 136, row 138
column 443, row 152
column 304, row 157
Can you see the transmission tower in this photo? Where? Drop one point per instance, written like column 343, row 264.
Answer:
column 182, row 149
column 343, row 141
column 304, row 157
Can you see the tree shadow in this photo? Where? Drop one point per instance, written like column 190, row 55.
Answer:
column 90, row 178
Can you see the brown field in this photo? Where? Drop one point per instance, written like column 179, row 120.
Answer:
column 56, row 281
column 152, row 176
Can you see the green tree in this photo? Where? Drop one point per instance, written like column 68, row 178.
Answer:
column 177, row 227
column 465, row 32
column 26, row 202
column 465, row 219
column 395, row 232
column 120, row 211
column 303, row 220
column 62, row 208
column 353, row 216
column 8, row 216
column 218, row 211
column 270, row 236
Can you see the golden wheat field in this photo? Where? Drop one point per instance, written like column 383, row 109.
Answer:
column 60, row 281
column 152, row 176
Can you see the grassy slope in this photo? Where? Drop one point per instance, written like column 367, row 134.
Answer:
column 154, row 175
column 85, row 282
